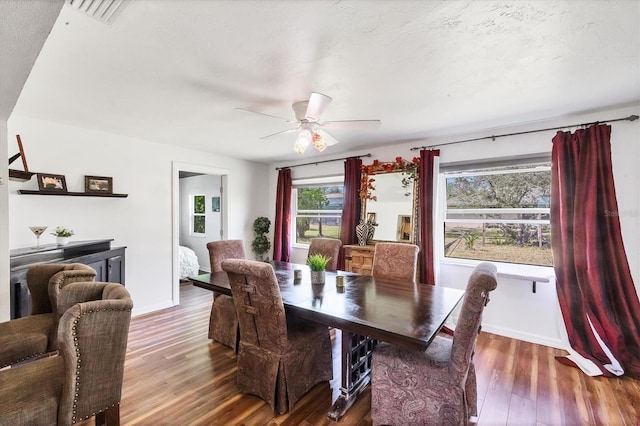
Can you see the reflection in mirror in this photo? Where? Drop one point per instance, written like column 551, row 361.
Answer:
column 389, row 197
column 392, row 204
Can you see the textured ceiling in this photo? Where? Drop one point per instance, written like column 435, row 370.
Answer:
column 173, row 71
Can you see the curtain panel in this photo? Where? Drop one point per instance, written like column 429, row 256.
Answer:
column 426, row 174
column 352, row 205
column 282, row 225
column 595, row 288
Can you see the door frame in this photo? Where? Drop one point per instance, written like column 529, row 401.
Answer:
column 176, row 168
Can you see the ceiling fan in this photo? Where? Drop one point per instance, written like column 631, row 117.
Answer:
column 309, row 130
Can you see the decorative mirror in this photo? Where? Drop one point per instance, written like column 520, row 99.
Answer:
column 389, row 199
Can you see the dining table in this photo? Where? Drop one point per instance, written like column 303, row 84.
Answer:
column 366, row 309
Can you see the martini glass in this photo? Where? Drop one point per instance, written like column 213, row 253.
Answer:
column 37, row 231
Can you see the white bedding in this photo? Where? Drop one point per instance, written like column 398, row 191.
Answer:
column 189, row 265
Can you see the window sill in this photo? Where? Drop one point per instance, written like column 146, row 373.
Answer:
column 532, row 273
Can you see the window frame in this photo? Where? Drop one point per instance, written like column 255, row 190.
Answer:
column 467, row 168
column 195, row 214
column 309, row 183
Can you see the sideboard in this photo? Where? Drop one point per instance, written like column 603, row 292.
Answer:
column 109, row 263
column 358, row 259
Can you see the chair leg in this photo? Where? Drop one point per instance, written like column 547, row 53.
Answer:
column 109, row 417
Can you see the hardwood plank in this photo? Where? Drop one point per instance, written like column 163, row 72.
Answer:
column 175, row 375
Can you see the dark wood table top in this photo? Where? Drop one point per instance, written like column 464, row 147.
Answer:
column 409, row 315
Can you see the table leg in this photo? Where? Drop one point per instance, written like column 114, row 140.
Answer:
column 356, row 371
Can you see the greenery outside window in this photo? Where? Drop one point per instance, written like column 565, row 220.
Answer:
column 498, row 214
column 316, row 210
column 198, row 222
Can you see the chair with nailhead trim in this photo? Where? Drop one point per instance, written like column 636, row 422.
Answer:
column 33, row 336
column 85, row 379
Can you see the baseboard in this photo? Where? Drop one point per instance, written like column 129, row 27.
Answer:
column 149, row 309
column 526, row 337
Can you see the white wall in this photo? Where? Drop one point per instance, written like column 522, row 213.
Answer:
column 514, row 310
column 209, row 186
column 143, row 221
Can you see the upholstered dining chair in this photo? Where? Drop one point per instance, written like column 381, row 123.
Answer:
column 280, row 357
column 395, row 262
column 85, row 378
column 436, row 386
column 329, row 247
column 223, row 322
column 32, row 336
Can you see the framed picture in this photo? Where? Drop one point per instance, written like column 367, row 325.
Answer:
column 215, row 204
column 50, row 182
column 100, row 184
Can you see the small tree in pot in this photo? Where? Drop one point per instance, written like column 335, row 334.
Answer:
column 261, row 243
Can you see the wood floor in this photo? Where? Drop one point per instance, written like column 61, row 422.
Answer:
column 174, row 375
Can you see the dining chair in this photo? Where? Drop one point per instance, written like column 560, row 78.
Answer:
column 436, row 386
column 395, row 262
column 223, row 321
column 280, row 357
column 329, row 247
column 85, row 378
column 32, row 336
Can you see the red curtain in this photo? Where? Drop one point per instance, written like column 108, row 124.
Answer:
column 283, row 216
column 594, row 283
column 425, row 208
column 352, row 205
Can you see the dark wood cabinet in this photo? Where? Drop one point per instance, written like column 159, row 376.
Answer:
column 109, row 263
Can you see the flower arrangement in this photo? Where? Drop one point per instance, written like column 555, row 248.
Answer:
column 318, row 262
column 408, row 168
column 61, row 231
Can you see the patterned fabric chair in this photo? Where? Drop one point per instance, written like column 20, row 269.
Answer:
column 437, row 386
column 329, row 247
column 85, row 379
column 223, row 322
column 34, row 335
column 395, row 262
column 280, row 357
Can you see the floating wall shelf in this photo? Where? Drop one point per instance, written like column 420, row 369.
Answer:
column 72, row 194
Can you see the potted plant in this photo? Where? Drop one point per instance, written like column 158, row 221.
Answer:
column 62, row 235
column 261, row 243
column 318, row 264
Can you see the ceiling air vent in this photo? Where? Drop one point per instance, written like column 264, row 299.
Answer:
column 103, row 10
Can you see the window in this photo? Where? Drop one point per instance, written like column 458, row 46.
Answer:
column 198, row 215
column 316, row 209
column 499, row 214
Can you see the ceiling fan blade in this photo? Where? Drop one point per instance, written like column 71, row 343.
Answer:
column 266, row 115
column 351, row 124
column 330, row 140
column 280, row 133
column 318, row 103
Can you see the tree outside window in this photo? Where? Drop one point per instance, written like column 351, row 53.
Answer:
column 499, row 214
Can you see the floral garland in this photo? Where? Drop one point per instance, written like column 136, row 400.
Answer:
column 407, row 168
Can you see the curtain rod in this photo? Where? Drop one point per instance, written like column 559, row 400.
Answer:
column 324, row 161
column 493, row 137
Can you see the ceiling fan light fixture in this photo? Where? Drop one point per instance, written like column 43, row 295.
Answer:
column 318, row 142
column 305, row 135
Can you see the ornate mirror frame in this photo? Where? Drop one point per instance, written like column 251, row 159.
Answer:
column 409, row 171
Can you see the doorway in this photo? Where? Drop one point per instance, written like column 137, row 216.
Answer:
column 207, row 186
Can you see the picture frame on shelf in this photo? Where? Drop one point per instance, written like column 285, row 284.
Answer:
column 51, row 183
column 98, row 184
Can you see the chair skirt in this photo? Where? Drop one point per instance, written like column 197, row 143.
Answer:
column 223, row 322
column 415, row 387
